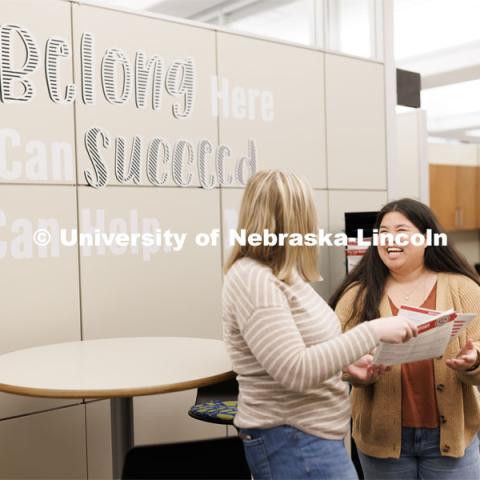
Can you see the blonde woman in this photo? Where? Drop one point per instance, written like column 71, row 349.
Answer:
column 286, row 343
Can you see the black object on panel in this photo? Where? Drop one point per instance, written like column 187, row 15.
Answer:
column 409, row 85
column 355, row 221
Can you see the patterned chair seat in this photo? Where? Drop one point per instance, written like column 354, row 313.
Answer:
column 215, row 411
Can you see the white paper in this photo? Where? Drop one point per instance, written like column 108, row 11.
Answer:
column 418, row 315
column 436, row 330
column 461, row 323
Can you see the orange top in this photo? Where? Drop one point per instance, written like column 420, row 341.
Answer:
column 419, row 401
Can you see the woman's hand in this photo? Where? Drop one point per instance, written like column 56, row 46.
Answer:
column 467, row 359
column 394, row 329
column 363, row 371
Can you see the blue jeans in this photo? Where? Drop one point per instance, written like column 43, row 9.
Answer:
column 420, row 458
column 287, row 453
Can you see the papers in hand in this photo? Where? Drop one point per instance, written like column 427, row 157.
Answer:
column 435, row 330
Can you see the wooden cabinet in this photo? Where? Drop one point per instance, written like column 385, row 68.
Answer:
column 477, row 198
column 443, row 194
column 454, row 196
column 467, row 198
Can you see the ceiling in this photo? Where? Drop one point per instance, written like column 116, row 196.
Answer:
column 438, row 38
column 202, row 10
column 186, row 8
column 441, row 40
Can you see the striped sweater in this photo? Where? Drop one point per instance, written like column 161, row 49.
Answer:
column 287, row 350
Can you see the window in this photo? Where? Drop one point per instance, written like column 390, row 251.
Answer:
column 293, row 21
column 353, row 27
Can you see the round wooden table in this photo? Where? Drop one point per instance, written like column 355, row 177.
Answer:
column 118, row 369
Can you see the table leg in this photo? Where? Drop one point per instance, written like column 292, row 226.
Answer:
column 121, row 410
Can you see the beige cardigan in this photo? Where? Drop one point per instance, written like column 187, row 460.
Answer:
column 377, row 408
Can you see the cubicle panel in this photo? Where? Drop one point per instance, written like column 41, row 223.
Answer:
column 36, row 133
column 151, row 290
column 118, row 42
column 411, row 161
column 164, row 419
column 355, row 105
column 158, row 419
column 231, row 200
column 39, row 285
column 273, row 95
column 323, row 287
column 44, row 445
column 339, row 203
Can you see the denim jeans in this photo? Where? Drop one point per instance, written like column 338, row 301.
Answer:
column 287, row 453
column 420, row 458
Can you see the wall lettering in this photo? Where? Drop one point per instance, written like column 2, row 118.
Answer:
column 147, row 80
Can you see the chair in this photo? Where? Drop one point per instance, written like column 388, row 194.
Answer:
column 221, row 458
column 216, row 403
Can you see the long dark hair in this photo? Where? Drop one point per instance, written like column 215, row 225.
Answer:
column 371, row 274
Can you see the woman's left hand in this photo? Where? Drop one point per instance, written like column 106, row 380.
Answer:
column 466, row 359
column 363, row 371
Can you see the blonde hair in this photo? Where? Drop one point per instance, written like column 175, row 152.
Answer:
column 279, row 202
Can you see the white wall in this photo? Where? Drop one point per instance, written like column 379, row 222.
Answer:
column 453, row 154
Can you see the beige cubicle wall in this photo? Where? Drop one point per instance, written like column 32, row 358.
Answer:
column 142, row 291
column 356, row 137
column 280, row 106
column 293, row 136
column 39, row 134
column 169, row 42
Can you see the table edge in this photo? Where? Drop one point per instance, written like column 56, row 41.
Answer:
column 116, row 393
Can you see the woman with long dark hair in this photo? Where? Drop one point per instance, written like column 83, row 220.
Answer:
column 417, row 420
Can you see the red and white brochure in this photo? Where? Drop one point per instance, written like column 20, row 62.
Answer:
column 435, row 330
column 427, row 319
column 460, row 320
